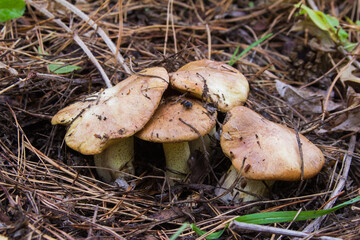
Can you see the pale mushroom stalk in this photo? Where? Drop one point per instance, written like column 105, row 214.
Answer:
column 119, row 157
column 245, row 189
column 177, row 155
column 175, row 126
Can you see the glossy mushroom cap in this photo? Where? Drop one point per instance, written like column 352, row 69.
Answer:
column 264, row 150
column 212, row 81
column 114, row 113
column 175, row 121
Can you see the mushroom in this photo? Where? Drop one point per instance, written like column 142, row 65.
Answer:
column 176, row 122
column 261, row 150
column 103, row 124
column 215, row 82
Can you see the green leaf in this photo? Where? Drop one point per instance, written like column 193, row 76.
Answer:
column 348, row 46
column 200, row 232
column 179, row 231
column 58, row 69
column 326, row 23
column 358, row 22
column 316, row 16
column 232, row 60
column 10, row 9
column 40, row 51
column 288, row 216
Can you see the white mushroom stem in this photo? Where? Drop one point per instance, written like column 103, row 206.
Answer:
column 177, row 155
column 119, row 157
column 245, row 186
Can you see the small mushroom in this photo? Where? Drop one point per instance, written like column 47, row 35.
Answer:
column 103, row 124
column 215, row 82
column 174, row 124
column 261, row 150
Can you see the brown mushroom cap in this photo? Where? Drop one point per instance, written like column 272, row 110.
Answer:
column 114, row 113
column 214, row 81
column 265, row 150
column 166, row 125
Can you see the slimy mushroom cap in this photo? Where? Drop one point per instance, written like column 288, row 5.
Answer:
column 264, row 150
column 212, row 81
column 175, row 121
column 114, row 113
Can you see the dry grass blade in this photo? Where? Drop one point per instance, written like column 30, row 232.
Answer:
column 315, row 225
column 77, row 39
column 99, row 30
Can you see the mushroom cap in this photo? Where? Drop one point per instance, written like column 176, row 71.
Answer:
column 216, row 82
column 265, row 150
column 166, row 126
column 114, row 113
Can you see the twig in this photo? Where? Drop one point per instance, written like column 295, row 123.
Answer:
column 240, row 226
column 313, row 5
column 99, row 31
column 315, row 224
column 9, row 69
column 63, row 79
column 77, row 40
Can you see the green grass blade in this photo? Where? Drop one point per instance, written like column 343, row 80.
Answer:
column 179, row 231
column 200, row 232
column 276, row 217
column 288, row 216
column 234, row 55
column 232, row 61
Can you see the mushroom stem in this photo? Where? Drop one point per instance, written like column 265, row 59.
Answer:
column 198, row 144
column 117, row 156
column 245, row 189
column 177, row 155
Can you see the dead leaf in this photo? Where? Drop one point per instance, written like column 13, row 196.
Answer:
column 305, row 99
column 325, row 42
column 169, row 214
column 349, row 76
column 352, row 122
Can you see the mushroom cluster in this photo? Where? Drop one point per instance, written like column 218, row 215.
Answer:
column 103, row 124
column 261, row 151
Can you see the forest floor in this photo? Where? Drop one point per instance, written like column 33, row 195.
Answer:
column 49, row 191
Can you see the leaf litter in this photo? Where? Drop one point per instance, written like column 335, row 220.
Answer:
column 49, row 191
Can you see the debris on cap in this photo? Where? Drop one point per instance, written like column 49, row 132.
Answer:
column 176, row 120
column 264, row 150
column 113, row 113
column 215, row 82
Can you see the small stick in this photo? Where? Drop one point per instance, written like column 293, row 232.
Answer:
column 77, row 40
column 240, row 226
column 300, row 152
column 99, row 31
column 315, row 224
